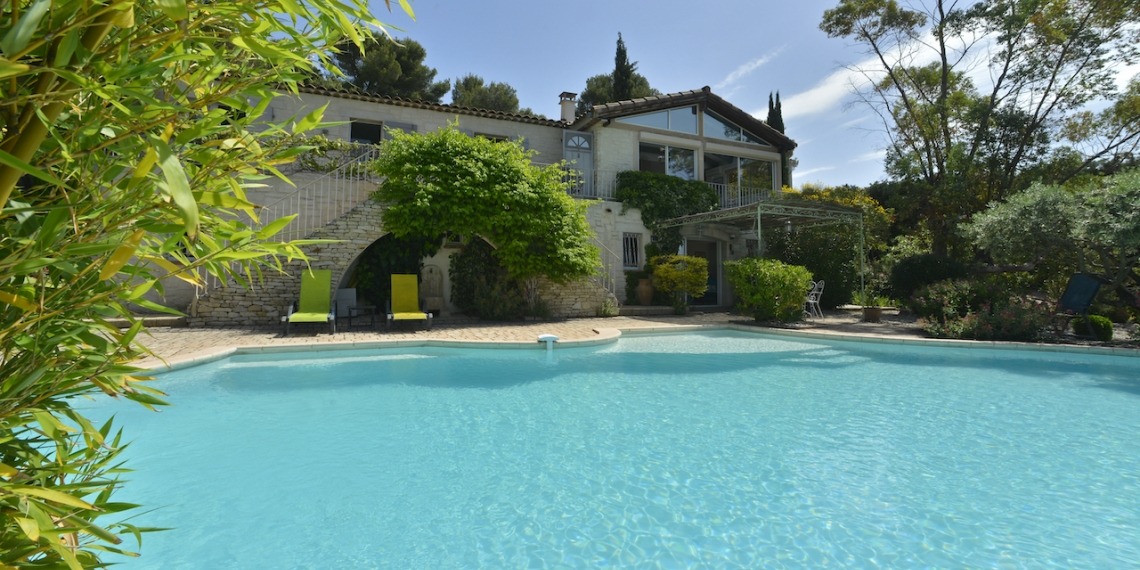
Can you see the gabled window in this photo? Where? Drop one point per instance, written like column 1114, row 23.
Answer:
column 720, row 128
column 681, row 120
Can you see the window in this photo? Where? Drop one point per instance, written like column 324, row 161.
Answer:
column 737, row 173
column 365, row 132
column 753, row 247
column 682, row 120
column 679, row 162
column 495, row 138
column 718, row 128
column 631, row 250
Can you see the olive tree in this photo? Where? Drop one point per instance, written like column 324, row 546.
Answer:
column 1056, row 229
column 128, row 135
column 446, row 181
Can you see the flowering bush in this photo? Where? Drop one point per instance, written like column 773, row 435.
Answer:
column 983, row 309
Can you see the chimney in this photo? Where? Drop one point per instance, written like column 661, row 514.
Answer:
column 568, row 102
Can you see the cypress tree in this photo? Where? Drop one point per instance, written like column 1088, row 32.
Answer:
column 775, row 113
column 623, row 73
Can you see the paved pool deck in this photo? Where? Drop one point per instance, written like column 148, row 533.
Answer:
column 179, row 346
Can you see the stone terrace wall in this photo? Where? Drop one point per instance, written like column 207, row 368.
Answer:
column 582, row 298
column 266, row 302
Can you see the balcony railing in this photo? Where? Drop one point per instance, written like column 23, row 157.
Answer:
column 602, row 185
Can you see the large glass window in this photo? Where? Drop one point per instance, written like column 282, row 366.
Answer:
column 757, row 174
column 679, row 162
column 737, row 174
column 718, row 128
column 683, row 120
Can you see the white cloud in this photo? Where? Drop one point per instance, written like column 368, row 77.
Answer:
column 870, row 156
column 810, row 171
column 745, row 69
column 826, row 95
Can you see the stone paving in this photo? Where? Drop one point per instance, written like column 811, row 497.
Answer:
column 176, row 345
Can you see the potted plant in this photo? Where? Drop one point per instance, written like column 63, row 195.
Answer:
column 872, row 305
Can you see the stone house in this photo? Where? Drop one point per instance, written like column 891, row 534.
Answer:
column 694, row 135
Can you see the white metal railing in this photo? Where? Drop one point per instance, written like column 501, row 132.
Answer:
column 731, row 195
column 595, row 184
column 611, row 268
column 602, row 185
column 326, row 198
column 333, row 194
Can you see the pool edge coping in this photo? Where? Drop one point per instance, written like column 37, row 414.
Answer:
column 608, row 335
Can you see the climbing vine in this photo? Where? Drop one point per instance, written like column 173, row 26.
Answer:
column 662, row 197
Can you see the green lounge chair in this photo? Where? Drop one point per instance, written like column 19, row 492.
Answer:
column 315, row 305
column 405, row 303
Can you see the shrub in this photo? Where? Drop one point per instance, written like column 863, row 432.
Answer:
column 681, row 275
column 1017, row 319
column 481, row 287
column 662, row 197
column 981, row 309
column 1100, row 326
column 767, row 289
column 912, row 273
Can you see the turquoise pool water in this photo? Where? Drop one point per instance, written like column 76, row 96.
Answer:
column 719, row 450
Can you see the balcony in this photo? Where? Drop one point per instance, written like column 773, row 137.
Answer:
column 602, row 185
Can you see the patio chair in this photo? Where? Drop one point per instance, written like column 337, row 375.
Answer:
column 811, row 302
column 315, row 303
column 1078, row 297
column 405, row 303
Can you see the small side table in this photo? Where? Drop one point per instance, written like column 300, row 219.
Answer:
column 361, row 311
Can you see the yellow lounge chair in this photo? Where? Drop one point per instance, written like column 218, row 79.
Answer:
column 405, row 303
column 315, row 304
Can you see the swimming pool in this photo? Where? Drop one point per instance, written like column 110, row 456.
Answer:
column 717, row 449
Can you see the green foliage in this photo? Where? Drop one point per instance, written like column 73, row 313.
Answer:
column 600, row 90
column 1100, row 326
column 954, row 148
column 912, row 273
column 981, row 309
column 372, row 276
column 769, row 290
column 1059, row 231
column 472, row 91
column 446, row 181
column 681, row 275
column 631, row 280
column 831, row 252
column 775, row 113
column 662, row 197
column 391, row 68
column 624, row 71
column 481, row 287
column 128, row 134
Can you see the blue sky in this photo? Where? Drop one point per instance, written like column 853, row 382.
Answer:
column 742, row 49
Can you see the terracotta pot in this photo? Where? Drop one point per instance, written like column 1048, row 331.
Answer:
column 644, row 292
column 872, row 314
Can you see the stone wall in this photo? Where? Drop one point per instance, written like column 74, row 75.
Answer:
column 267, row 301
column 582, row 298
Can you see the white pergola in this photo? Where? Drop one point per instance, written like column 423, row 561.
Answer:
column 780, row 213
